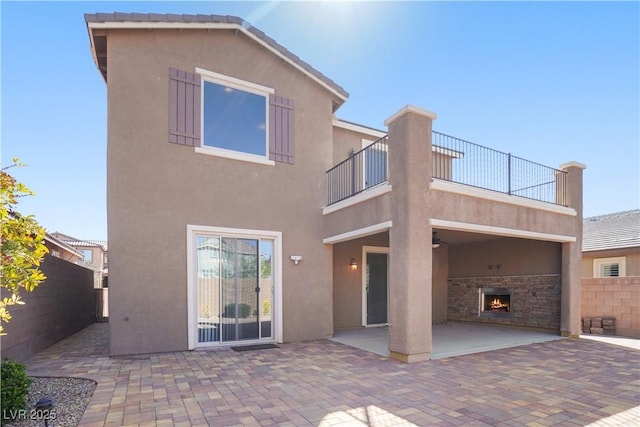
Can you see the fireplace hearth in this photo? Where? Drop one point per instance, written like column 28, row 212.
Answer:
column 494, row 302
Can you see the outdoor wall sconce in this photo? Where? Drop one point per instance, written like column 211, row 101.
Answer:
column 296, row 259
column 353, row 264
column 435, row 240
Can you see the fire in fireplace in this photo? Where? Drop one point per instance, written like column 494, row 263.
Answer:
column 495, row 301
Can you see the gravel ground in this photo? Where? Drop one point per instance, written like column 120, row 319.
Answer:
column 70, row 398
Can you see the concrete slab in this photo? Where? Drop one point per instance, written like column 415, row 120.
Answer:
column 632, row 343
column 449, row 339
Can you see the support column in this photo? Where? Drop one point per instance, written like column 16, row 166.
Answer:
column 410, row 289
column 570, row 315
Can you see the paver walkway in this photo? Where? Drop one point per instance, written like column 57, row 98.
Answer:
column 563, row 382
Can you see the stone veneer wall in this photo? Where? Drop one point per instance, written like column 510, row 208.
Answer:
column 535, row 299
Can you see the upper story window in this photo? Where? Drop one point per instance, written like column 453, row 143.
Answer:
column 234, row 116
column 610, row 267
column 227, row 117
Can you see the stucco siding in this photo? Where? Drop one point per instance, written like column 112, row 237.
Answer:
column 155, row 189
column 347, row 283
column 439, row 288
column 476, row 210
column 514, row 256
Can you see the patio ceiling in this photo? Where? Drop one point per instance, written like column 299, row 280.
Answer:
column 453, row 237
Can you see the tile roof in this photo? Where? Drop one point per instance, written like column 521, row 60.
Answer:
column 159, row 18
column 62, row 244
column 87, row 243
column 612, row 231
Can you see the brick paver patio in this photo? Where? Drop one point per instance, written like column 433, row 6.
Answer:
column 563, row 382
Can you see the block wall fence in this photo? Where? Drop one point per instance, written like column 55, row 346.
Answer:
column 616, row 297
column 59, row 307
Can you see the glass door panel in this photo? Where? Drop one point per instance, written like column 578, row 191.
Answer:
column 239, row 289
column 235, row 293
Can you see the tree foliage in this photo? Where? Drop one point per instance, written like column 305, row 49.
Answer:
column 22, row 240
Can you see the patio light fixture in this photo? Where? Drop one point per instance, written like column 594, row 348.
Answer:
column 44, row 409
column 435, row 240
column 353, row 264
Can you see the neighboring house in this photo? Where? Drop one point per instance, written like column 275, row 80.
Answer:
column 240, row 210
column 94, row 256
column 62, row 250
column 611, row 270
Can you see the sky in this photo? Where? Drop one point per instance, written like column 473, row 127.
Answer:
column 550, row 82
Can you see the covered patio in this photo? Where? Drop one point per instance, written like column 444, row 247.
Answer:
column 449, row 338
column 437, row 232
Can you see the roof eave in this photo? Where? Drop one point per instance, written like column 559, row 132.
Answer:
column 340, row 93
column 94, row 54
column 62, row 245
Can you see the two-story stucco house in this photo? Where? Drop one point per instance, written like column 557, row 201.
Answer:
column 240, row 210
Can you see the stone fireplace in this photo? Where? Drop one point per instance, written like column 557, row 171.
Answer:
column 525, row 300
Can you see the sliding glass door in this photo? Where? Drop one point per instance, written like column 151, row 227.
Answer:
column 234, row 289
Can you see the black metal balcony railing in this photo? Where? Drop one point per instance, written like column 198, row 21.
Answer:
column 361, row 170
column 454, row 160
column 471, row 164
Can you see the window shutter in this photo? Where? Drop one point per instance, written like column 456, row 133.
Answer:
column 281, row 129
column 184, row 108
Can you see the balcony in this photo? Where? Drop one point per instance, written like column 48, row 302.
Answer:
column 454, row 160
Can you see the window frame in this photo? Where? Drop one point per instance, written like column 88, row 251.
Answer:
column 84, row 252
column 599, row 263
column 245, row 86
column 194, row 231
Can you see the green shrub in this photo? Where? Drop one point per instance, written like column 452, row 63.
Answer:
column 14, row 387
column 241, row 311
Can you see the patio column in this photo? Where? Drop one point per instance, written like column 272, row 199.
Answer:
column 410, row 294
column 570, row 315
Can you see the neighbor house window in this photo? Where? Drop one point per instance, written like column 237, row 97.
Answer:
column 609, row 267
column 87, row 254
column 227, row 117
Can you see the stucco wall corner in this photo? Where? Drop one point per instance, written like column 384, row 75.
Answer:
column 573, row 164
column 410, row 109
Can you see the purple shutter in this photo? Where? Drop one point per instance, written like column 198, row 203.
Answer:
column 281, row 129
column 184, row 108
